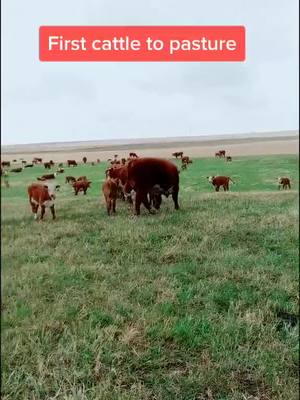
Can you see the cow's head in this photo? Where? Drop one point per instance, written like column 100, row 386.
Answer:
column 210, row 178
column 279, row 179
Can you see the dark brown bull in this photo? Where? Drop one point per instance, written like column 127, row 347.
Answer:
column 145, row 173
column 5, row 163
column 222, row 153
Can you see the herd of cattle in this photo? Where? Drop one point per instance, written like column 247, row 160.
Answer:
column 137, row 180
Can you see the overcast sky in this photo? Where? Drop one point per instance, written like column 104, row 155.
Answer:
column 45, row 102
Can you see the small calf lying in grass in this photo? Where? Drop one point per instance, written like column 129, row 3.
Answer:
column 110, row 191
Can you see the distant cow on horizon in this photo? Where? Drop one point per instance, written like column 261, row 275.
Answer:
column 178, row 154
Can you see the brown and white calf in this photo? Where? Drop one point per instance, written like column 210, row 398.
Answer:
column 42, row 196
column 110, row 190
column 218, row 181
column 81, row 186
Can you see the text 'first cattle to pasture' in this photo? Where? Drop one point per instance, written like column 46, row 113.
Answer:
column 142, row 43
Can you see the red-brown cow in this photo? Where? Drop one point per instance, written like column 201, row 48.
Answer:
column 120, row 173
column 81, row 186
column 37, row 160
column 42, row 196
column 178, row 154
column 218, row 181
column 145, row 173
column 222, row 153
column 284, row 183
column 72, row 162
column 110, row 191
column 186, row 160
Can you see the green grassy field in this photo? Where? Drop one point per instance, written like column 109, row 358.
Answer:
column 178, row 305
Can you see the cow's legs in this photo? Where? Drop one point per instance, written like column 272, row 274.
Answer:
column 52, row 211
column 114, row 205
column 42, row 211
column 217, row 188
column 34, row 208
column 175, row 197
column 138, row 201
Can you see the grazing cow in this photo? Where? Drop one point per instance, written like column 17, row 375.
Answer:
column 133, row 155
column 70, row 179
column 60, row 171
column 284, row 183
column 186, row 160
column 218, row 181
column 228, row 158
column 81, row 186
column 144, row 173
column 16, row 170
column 84, row 160
column 37, row 160
column 28, row 165
column 5, row 163
column 42, row 196
column 47, row 165
column 178, row 154
column 24, row 162
column 110, row 191
column 217, row 154
column 222, row 153
column 51, row 162
column 47, row 176
column 72, row 162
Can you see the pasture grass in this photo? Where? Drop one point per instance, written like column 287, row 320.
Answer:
column 177, row 305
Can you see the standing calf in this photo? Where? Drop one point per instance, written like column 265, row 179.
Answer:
column 42, row 196
column 218, row 181
column 285, row 183
column 110, row 191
